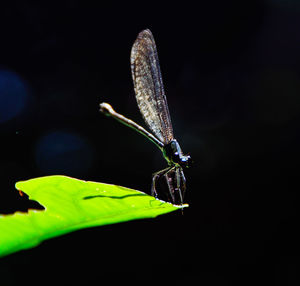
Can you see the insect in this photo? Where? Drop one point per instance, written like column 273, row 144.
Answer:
column 152, row 102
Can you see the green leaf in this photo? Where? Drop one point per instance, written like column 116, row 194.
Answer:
column 71, row 204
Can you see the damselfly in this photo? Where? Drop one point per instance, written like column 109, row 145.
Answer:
column 152, row 102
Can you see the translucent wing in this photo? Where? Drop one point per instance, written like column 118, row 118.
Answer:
column 148, row 86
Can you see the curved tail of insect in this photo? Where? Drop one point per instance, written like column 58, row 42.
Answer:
column 107, row 109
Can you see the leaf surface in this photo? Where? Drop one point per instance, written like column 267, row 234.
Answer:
column 72, row 204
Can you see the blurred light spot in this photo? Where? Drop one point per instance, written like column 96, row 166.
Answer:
column 13, row 95
column 65, row 153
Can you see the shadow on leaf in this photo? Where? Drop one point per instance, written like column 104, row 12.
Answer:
column 113, row 197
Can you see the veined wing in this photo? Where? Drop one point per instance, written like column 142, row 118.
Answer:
column 148, row 86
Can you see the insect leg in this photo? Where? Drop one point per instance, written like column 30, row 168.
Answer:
column 155, row 177
column 170, row 184
column 183, row 180
column 180, row 179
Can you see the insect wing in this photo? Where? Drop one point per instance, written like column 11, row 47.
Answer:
column 148, row 86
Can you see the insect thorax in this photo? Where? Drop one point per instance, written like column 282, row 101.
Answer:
column 172, row 152
column 174, row 156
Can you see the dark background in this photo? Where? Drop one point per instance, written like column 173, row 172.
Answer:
column 231, row 75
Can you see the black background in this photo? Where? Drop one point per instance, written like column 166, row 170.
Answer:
column 231, row 75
